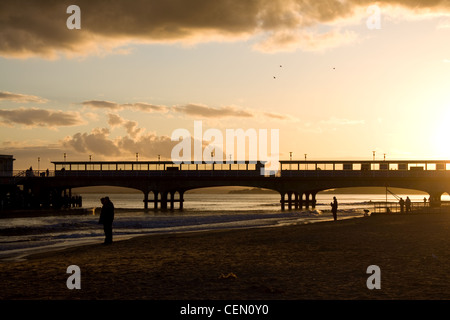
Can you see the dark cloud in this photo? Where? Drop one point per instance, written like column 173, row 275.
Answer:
column 149, row 107
column 209, row 112
column 40, row 117
column 38, row 27
column 130, row 126
column 147, row 145
column 101, row 104
column 276, row 116
column 190, row 109
column 18, row 97
column 96, row 141
column 99, row 143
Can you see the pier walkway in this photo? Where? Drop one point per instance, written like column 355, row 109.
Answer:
column 163, row 183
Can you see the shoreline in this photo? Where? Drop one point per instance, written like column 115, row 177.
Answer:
column 24, row 253
column 311, row 261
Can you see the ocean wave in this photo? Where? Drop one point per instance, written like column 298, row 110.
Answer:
column 64, row 231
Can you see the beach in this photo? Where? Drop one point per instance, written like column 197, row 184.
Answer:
column 326, row 260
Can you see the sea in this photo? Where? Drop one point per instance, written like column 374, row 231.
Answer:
column 22, row 236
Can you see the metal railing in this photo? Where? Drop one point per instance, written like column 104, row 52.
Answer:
column 22, row 174
column 395, row 207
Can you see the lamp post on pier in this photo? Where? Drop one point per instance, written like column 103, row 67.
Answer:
column 290, row 157
column 373, row 165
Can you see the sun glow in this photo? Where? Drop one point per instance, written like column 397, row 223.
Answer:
column 440, row 136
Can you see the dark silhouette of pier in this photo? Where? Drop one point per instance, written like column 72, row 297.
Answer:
column 164, row 183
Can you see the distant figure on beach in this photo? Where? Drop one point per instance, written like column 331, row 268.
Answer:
column 408, row 204
column 107, row 218
column 334, row 206
column 402, row 205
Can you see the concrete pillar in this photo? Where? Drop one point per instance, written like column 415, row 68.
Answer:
column 306, row 200
column 282, row 200
column 290, row 200
column 164, row 200
column 296, row 200
column 145, row 200
column 313, row 200
column 435, row 199
column 155, row 199
column 181, row 193
column 172, row 200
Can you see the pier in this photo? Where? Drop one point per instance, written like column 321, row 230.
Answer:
column 163, row 183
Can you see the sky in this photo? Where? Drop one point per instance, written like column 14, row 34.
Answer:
column 339, row 79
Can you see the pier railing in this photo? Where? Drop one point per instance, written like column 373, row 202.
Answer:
column 395, row 207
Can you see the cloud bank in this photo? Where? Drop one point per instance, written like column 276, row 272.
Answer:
column 190, row 109
column 19, row 97
column 101, row 104
column 100, row 142
column 34, row 117
column 38, row 27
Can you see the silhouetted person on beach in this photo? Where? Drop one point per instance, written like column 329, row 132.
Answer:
column 107, row 218
column 334, row 206
column 408, row 204
column 402, row 204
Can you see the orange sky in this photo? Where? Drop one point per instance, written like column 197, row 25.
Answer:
column 134, row 73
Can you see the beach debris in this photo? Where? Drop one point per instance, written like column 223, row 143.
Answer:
column 230, row 275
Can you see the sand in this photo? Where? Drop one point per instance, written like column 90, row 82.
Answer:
column 326, row 260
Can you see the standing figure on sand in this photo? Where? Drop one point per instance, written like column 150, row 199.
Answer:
column 334, row 206
column 402, row 205
column 408, row 204
column 107, row 218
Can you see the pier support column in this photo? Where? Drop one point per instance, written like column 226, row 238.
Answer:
column 164, row 200
column 146, row 200
column 155, row 199
column 282, row 200
column 296, row 203
column 290, row 200
column 313, row 200
column 300, row 200
column 181, row 193
column 306, row 200
column 435, row 199
column 172, row 200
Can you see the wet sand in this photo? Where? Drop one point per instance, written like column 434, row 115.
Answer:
column 326, row 260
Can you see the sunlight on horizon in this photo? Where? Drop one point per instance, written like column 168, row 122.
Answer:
column 440, row 135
